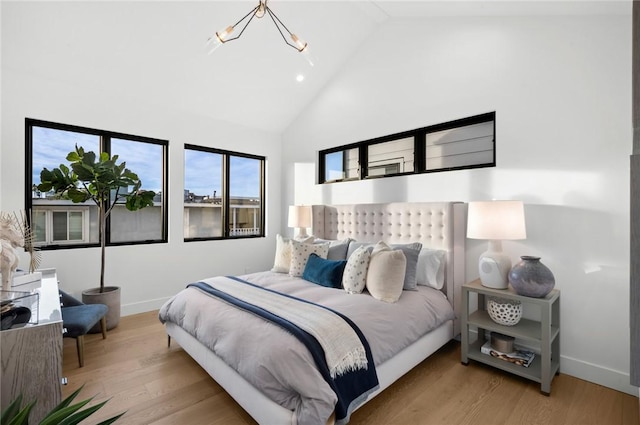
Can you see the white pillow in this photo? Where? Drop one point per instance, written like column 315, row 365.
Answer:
column 431, row 268
column 282, row 261
column 354, row 278
column 300, row 254
column 385, row 276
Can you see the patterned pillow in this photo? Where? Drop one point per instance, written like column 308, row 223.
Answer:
column 354, row 278
column 300, row 254
column 411, row 252
column 282, row 260
column 385, row 277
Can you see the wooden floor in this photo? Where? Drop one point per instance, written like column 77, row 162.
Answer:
column 158, row 385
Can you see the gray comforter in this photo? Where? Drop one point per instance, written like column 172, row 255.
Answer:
column 277, row 363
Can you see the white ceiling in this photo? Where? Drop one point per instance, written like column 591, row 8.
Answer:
column 154, row 51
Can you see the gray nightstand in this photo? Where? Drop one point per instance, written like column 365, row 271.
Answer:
column 544, row 334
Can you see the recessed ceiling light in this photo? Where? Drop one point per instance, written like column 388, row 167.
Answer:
column 299, row 78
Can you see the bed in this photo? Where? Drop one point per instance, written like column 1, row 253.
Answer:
column 437, row 226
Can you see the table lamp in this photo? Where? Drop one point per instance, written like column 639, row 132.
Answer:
column 300, row 217
column 495, row 221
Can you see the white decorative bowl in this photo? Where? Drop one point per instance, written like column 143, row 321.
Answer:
column 503, row 311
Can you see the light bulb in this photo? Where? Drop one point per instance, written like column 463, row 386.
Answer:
column 222, row 35
column 301, row 45
column 218, row 39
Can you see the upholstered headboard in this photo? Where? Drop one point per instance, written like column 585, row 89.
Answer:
column 437, row 225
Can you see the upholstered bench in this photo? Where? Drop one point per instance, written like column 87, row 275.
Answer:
column 78, row 318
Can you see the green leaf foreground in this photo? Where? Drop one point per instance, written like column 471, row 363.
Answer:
column 64, row 413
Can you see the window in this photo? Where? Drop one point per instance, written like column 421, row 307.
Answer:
column 223, row 194
column 341, row 165
column 61, row 226
column 61, row 223
column 146, row 160
column 393, row 157
column 460, row 144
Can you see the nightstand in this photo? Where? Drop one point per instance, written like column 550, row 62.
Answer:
column 543, row 334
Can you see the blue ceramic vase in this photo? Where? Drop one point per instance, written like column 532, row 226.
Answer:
column 531, row 278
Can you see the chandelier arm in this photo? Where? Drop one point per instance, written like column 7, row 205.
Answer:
column 252, row 13
column 245, row 16
column 275, row 17
column 275, row 20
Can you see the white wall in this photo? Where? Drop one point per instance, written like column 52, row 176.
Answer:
column 561, row 89
column 39, row 86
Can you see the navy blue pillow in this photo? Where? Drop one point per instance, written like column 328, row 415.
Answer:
column 324, row 272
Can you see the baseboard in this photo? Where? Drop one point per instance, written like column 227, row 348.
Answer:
column 142, row 307
column 610, row 378
column 597, row 374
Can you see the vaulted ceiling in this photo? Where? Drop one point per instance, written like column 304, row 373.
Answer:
column 154, row 51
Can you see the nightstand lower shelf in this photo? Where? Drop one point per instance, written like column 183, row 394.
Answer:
column 533, row 372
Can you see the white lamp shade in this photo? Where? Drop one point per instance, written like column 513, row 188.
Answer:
column 300, row 216
column 496, row 220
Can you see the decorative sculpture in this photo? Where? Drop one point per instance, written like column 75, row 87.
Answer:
column 14, row 233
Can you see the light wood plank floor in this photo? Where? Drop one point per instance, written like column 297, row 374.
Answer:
column 158, row 385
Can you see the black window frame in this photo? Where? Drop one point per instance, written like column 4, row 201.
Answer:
column 419, row 136
column 105, row 146
column 226, row 196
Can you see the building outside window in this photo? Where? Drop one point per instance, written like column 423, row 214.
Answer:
column 61, row 223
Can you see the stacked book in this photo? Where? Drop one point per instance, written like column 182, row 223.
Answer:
column 518, row 356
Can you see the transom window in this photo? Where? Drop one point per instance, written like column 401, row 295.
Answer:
column 455, row 145
column 223, row 194
column 59, row 223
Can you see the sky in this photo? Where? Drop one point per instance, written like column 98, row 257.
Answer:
column 203, row 170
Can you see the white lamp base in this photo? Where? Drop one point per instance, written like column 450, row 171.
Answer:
column 302, row 234
column 494, row 269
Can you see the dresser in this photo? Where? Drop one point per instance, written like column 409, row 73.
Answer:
column 32, row 354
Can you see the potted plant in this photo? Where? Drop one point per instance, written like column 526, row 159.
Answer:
column 63, row 413
column 106, row 183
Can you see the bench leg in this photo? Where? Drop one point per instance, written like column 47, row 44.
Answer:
column 103, row 326
column 80, row 346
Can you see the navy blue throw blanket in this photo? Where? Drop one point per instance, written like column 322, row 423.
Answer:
column 352, row 388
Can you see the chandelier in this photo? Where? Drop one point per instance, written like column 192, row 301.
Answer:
column 262, row 9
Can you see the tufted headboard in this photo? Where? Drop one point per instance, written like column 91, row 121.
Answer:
column 437, row 225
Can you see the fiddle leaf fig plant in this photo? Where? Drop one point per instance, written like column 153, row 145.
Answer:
column 100, row 179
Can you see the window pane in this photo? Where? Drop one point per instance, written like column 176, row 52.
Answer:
column 390, row 157
column 202, row 194
column 50, row 149
column 146, row 160
column 341, row 165
column 460, row 147
column 245, row 196
column 75, row 226
column 39, row 225
column 59, row 226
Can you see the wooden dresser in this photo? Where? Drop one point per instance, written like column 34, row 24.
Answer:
column 32, row 355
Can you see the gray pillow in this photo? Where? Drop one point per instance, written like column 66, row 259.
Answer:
column 411, row 251
column 337, row 248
